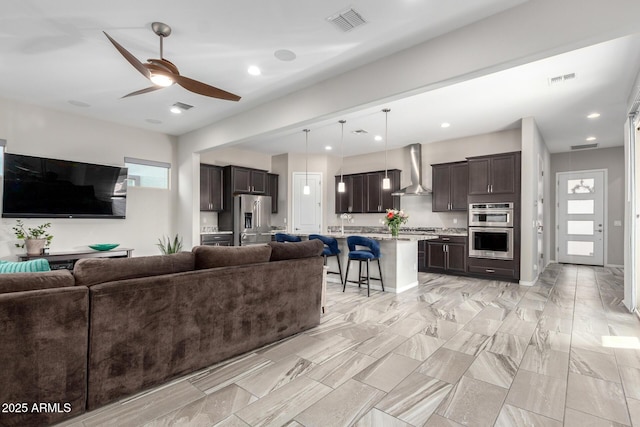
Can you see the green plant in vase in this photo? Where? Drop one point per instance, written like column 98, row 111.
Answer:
column 168, row 246
column 393, row 219
column 33, row 238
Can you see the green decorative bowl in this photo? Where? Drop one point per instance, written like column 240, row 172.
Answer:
column 104, row 246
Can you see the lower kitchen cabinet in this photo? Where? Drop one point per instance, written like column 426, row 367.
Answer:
column 446, row 254
column 216, row 239
column 494, row 268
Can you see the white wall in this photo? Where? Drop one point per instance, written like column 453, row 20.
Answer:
column 47, row 133
column 533, row 147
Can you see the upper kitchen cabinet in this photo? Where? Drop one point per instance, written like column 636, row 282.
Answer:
column 352, row 199
column 210, row 188
column 450, row 186
column 379, row 199
column 364, row 193
column 494, row 174
column 242, row 180
column 272, row 190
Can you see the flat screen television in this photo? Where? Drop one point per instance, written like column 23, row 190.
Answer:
column 36, row 187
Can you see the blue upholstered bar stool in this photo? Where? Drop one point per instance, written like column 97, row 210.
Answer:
column 363, row 249
column 330, row 249
column 284, row 237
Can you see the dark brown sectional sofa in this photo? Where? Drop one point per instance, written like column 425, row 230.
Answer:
column 116, row 327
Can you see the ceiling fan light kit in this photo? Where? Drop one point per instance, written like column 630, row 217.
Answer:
column 163, row 73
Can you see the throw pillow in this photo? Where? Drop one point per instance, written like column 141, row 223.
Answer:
column 226, row 256
column 33, row 266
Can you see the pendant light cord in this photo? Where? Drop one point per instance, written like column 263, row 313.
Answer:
column 306, row 161
column 342, row 122
column 386, row 131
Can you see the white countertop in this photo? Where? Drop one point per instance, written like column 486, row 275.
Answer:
column 215, row 232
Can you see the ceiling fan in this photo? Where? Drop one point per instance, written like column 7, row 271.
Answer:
column 163, row 73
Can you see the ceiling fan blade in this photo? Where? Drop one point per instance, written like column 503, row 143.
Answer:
column 129, row 57
column 141, row 91
column 204, row 89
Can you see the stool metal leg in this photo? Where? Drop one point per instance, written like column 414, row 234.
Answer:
column 359, row 272
column 368, row 288
column 339, row 267
column 344, row 284
column 380, row 271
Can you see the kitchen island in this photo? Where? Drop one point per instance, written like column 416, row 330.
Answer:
column 399, row 261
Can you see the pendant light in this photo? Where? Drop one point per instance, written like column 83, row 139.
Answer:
column 306, row 190
column 341, row 187
column 386, row 182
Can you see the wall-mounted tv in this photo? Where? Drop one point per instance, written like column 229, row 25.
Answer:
column 36, row 187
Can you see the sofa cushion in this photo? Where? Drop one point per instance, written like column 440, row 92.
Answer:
column 91, row 271
column 18, row 282
column 226, row 256
column 32, row 266
column 292, row 250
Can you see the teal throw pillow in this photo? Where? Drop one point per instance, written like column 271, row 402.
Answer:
column 32, row 266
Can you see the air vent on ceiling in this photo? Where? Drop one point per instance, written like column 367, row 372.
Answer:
column 347, row 20
column 183, row 106
column 584, row 146
column 359, row 132
column 561, row 79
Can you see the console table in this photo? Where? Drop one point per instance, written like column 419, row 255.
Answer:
column 66, row 260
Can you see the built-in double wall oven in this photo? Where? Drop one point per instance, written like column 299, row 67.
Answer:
column 491, row 230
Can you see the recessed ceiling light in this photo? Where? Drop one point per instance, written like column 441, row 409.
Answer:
column 445, row 125
column 328, row 148
column 591, row 138
column 284, row 55
column 593, row 116
column 175, row 110
column 377, row 138
column 254, row 70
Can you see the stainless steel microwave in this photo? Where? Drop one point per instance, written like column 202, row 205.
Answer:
column 491, row 214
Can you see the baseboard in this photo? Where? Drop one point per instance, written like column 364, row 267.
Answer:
column 614, row 265
column 527, row 283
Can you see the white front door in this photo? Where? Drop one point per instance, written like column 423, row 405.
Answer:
column 580, row 213
column 307, row 208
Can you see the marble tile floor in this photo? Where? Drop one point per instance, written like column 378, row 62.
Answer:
column 454, row 351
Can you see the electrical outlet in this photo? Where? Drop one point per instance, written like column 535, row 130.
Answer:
column 617, row 223
column 455, row 220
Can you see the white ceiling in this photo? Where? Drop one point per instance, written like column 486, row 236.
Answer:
column 54, row 52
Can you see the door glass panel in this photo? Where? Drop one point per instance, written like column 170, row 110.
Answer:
column 579, row 248
column 580, row 207
column 584, row 228
column 581, row 186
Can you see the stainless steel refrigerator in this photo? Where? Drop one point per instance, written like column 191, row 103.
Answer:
column 251, row 219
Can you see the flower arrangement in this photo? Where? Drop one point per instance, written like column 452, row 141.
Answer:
column 393, row 219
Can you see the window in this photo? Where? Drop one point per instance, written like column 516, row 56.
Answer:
column 147, row 173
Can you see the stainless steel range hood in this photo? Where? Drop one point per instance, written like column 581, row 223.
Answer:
column 414, row 152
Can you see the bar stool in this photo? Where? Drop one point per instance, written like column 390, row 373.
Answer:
column 330, row 249
column 369, row 250
column 283, row 237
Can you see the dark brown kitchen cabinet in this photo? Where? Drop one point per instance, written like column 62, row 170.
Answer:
column 211, row 191
column 494, row 174
column 364, row 193
column 446, row 254
column 450, row 186
column 352, row 199
column 272, row 190
column 245, row 180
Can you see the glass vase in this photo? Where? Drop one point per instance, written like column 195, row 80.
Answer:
column 394, row 230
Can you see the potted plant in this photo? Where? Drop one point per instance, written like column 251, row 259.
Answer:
column 168, row 246
column 35, row 239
